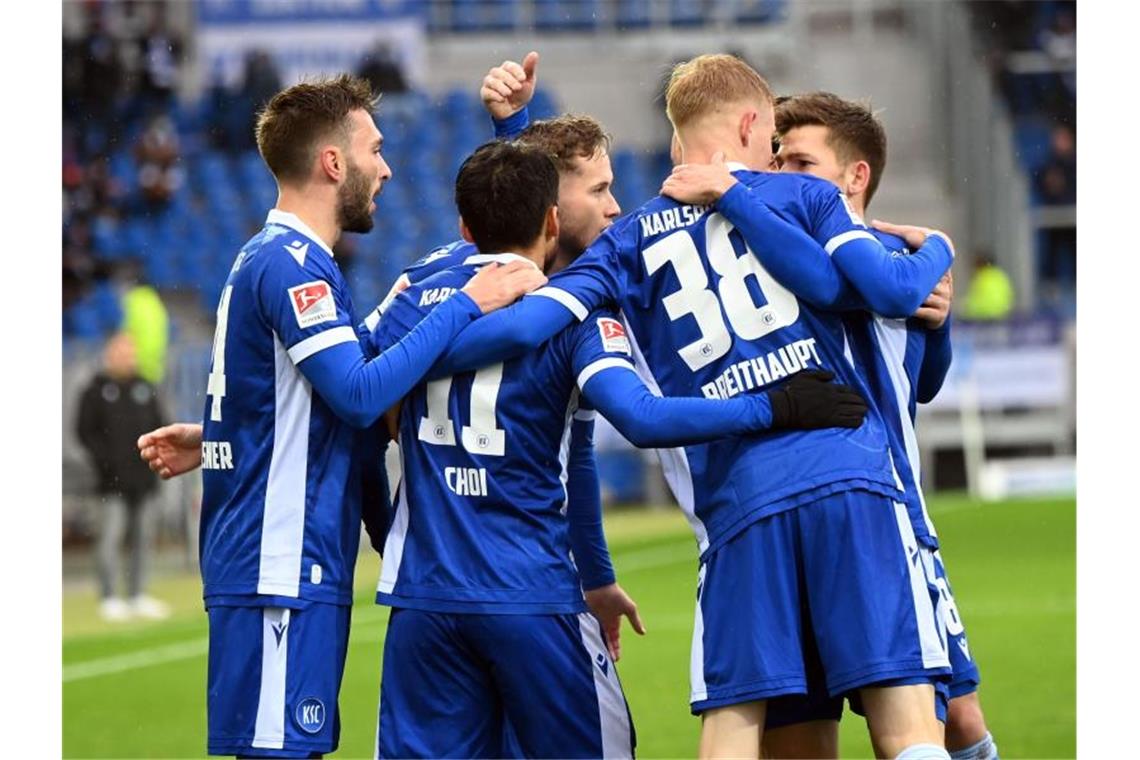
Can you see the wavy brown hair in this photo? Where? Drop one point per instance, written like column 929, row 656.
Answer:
column 297, row 118
column 853, row 130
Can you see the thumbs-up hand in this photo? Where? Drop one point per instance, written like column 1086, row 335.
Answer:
column 509, row 87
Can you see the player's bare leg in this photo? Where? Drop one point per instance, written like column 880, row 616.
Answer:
column 965, row 723
column 810, row 740
column 901, row 716
column 734, row 731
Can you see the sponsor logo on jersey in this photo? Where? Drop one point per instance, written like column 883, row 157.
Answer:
column 613, row 336
column 671, row 219
column 217, row 455
column 298, row 250
column 312, row 303
column 310, row 715
column 964, row 647
column 436, row 295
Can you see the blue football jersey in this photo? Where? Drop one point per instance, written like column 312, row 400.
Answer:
column 480, row 523
column 891, row 354
column 705, row 318
column 437, row 260
column 268, row 535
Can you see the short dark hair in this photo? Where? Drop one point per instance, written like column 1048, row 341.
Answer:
column 566, row 138
column 503, row 191
column 853, row 131
column 295, row 119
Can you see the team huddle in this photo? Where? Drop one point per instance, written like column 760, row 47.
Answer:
column 746, row 323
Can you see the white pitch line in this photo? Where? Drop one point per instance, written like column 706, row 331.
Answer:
column 636, row 561
column 183, row 650
column 144, row 658
column 658, row 556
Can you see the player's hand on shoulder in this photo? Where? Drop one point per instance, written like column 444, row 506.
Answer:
column 497, row 285
column 810, row 400
column 609, row 604
column 914, row 235
column 701, row 184
column 936, row 308
column 507, row 88
column 172, row 450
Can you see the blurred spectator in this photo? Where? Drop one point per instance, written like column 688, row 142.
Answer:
column 115, row 409
column 990, row 294
column 145, row 320
column 261, row 81
column 159, row 174
column 382, row 69
column 162, row 55
column 1059, row 39
column 234, row 105
column 1057, row 179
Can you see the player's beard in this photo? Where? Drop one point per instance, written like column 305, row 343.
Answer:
column 353, row 201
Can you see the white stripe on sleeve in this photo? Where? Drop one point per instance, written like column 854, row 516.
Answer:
column 595, row 367
column 566, row 299
column 839, row 240
column 319, row 342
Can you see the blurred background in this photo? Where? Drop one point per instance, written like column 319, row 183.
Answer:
column 162, row 184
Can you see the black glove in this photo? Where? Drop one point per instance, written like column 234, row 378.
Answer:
column 809, row 400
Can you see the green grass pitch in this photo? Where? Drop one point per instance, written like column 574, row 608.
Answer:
column 138, row 689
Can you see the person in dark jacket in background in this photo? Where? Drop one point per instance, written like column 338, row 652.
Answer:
column 116, row 407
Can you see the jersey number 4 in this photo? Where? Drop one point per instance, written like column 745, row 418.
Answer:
column 482, row 436
column 695, row 298
column 216, row 383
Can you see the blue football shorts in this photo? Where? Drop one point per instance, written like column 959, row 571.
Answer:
column 455, row 685
column 274, row 675
column 841, row 579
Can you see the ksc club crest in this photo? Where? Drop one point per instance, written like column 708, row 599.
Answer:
column 310, row 715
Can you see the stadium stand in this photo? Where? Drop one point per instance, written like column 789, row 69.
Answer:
column 154, row 142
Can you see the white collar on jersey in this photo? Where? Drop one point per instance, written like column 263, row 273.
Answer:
column 293, row 222
column 502, row 258
column 736, row 166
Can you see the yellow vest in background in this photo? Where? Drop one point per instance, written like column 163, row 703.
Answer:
column 145, row 320
column 990, row 295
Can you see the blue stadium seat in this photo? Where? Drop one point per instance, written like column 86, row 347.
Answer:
column 1032, row 143
column 632, row 14
column 565, row 15
column 687, row 13
column 761, row 11
column 542, row 105
column 81, row 320
column 106, row 241
column 122, row 167
column 632, row 185
column 483, row 15
column 108, row 307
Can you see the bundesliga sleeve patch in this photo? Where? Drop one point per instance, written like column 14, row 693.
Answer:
column 312, row 303
column 613, row 336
